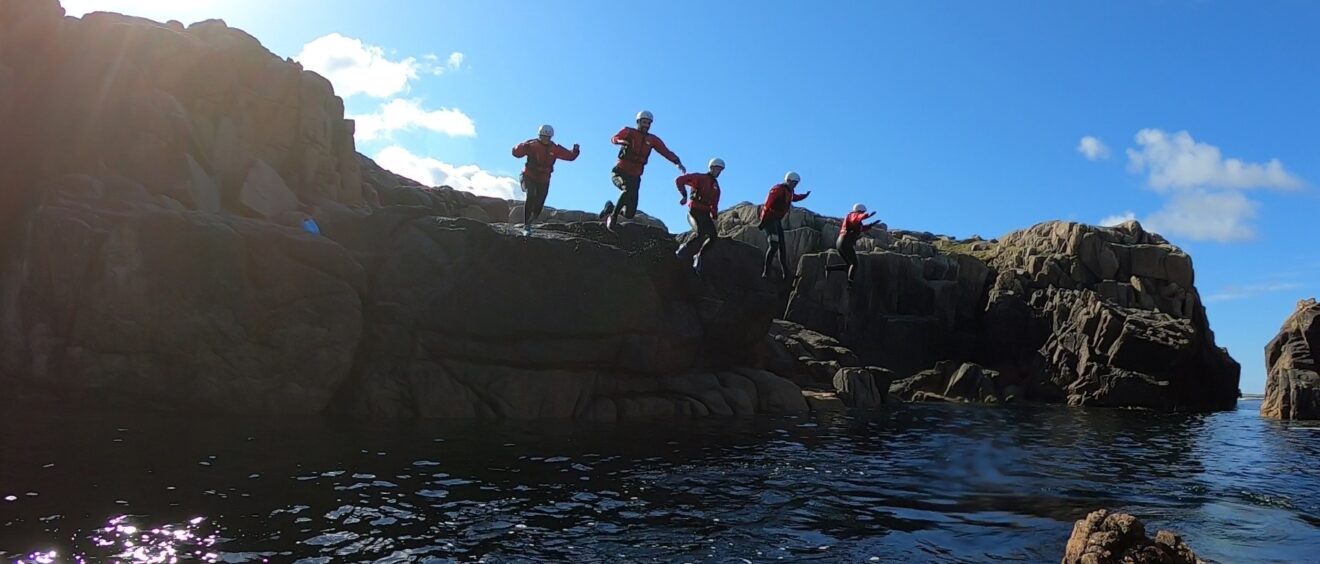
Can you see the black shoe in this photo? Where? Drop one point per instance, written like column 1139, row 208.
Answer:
column 607, row 210
column 609, row 223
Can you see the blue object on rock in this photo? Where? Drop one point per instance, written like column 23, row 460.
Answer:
column 310, row 225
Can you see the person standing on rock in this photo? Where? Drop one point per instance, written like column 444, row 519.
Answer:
column 635, row 147
column 849, row 233
column 703, row 207
column 773, row 214
column 541, row 154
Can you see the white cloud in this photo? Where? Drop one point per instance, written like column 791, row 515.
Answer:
column 1178, row 161
column 1093, row 148
column 1117, row 219
column 357, row 68
column 432, row 172
column 407, row 115
column 1205, row 193
column 1206, row 215
column 1252, row 290
column 455, row 61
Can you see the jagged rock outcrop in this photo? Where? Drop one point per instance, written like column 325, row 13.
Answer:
column 1292, row 382
column 1118, row 538
column 1105, row 317
column 823, row 368
column 950, row 381
column 1064, row 312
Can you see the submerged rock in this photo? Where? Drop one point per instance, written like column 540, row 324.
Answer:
column 1292, row 384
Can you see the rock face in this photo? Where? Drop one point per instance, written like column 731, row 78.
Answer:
column 466, row 319
column 122, row 300
column 152, row 256
column 1292, row 384
column 1118, row 538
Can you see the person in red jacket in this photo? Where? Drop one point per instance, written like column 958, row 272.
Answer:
column 849, row 233
column 635, row 149
column 704, row 207
column 773, row 213
column 541, row 154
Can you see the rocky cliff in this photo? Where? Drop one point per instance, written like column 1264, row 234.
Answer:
column 1292, row 382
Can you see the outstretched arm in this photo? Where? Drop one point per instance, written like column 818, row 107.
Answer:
column 661, row 148
column 802, row 196
column 562, row 153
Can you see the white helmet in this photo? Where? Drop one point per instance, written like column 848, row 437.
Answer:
column 545, row 131
column 645, row 115
column 716, row 162
column 792, row 177
column 859, row 208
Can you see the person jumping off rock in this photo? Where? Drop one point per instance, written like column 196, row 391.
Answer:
column 634, row 151
column 849, row 233
column 541, row 154
column 704, row 206
column 773, row 214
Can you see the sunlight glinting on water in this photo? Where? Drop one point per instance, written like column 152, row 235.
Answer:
column 160, row 545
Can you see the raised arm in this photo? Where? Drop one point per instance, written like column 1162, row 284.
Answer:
column 620, row 138
column 802, row 196
column 520, row 150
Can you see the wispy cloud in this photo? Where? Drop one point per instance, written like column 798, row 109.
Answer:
column 1093, row 148
column 408, row 115
column 433, row 172
column 431, row 63
column 1241, row 292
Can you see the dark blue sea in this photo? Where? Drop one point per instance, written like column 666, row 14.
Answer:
column 914, row 483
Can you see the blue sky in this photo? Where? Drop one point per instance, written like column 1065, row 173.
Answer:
column 953, row 117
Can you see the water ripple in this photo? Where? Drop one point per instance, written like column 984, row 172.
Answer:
column 921, row 483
